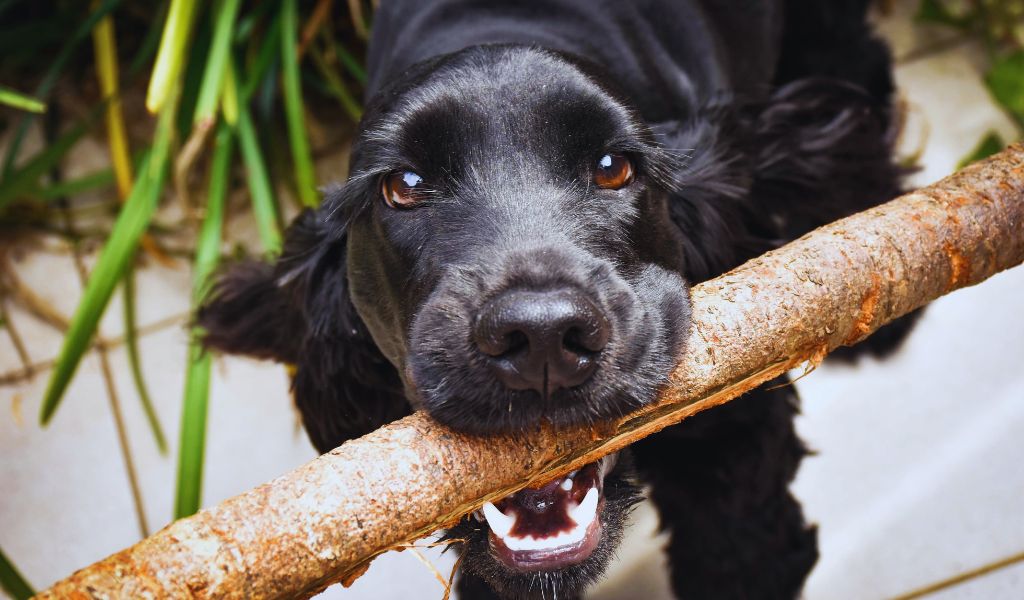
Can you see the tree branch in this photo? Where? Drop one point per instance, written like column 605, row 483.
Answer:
column 325, row 521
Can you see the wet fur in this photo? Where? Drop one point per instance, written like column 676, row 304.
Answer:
column 727, row 178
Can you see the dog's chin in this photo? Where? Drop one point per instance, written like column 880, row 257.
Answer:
column 552, row 541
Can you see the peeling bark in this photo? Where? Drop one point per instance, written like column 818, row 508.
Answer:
column 325, row 521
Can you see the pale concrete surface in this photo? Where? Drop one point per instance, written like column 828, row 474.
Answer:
column 918, row 475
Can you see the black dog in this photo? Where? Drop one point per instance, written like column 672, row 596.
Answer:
column 531, row 189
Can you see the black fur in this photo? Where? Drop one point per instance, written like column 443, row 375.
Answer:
column 749, row 122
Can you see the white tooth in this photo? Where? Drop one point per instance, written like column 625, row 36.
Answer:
column 587, row 510
column 566, row 538
column 567, row 484
column 499, row 522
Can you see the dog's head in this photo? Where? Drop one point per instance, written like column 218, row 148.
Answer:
column 504, row 240
column 506, row 247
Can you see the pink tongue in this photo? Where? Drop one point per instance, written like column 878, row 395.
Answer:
column 544, row 512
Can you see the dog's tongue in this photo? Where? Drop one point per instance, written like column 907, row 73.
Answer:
column 548, row 527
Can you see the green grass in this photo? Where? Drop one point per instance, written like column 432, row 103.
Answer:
column 12, row 581
column 113, row 260
column 197, row 375
column 226, row 66
column 305, row 179
column 18, row 100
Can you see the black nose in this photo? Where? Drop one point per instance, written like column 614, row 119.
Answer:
column 541, row 340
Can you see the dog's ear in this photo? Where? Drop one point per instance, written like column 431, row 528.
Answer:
column 344, row 386
column 246, row 312
column 298, row 311
column 766, row 172
column 821, row 150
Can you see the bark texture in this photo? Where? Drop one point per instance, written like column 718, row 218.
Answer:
column 325, row 521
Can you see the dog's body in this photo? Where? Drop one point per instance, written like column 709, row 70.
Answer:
column 553, row 174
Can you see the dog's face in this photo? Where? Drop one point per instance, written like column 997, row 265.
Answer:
column 513, row 257
column 510, row 251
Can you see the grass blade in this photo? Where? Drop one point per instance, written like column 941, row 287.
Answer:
column 197, row 377
column 354, row 67
column 50, row 78
column 171, row 54
column 18, row 100
column 11, row 580
column 114, row 259
column 193, row 432
column 74, row 187
column 263, row 205
column 105, row 48
column 26, row 178
column 259, row 68
column 149, row 42
column 305, row 180
column 131, row 342
column 337, row 87
column 216, row 63
column 229, row 98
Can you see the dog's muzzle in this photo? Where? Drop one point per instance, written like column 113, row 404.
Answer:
column 541, row 340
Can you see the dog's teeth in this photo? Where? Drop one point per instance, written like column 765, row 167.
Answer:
column 479, row 515
column 567, row 484
column 585, row 512
column 499, row 522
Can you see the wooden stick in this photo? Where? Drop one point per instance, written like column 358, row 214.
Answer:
column 325, row 521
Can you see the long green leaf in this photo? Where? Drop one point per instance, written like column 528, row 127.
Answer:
column 12, row 581
column 26, row 179
column 193, row 433
column 197, row 377
column 351, row 64
column 172, row 53
column 150, row 41
column 74, row 187
column 298, row 137
column 263, row 206
column 50, row 78
column 131, row 339
column 217, row 61
column 259, row 67
column 18, row 100
column 114, row 259
column 336, row 86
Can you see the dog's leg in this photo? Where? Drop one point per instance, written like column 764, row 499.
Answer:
column 720, row 482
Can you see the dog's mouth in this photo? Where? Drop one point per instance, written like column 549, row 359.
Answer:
column 550, row 527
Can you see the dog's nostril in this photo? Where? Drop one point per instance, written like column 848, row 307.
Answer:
column 542, row 340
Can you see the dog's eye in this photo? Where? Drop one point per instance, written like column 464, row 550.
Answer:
column 613, row 171
column 403, row 189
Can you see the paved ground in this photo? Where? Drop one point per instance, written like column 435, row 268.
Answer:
column 918, row 475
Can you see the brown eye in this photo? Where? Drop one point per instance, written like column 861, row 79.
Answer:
column 403, row 189
column 613, row 171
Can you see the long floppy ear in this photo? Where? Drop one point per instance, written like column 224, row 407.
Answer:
column 822, row 149
column 298, row 311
